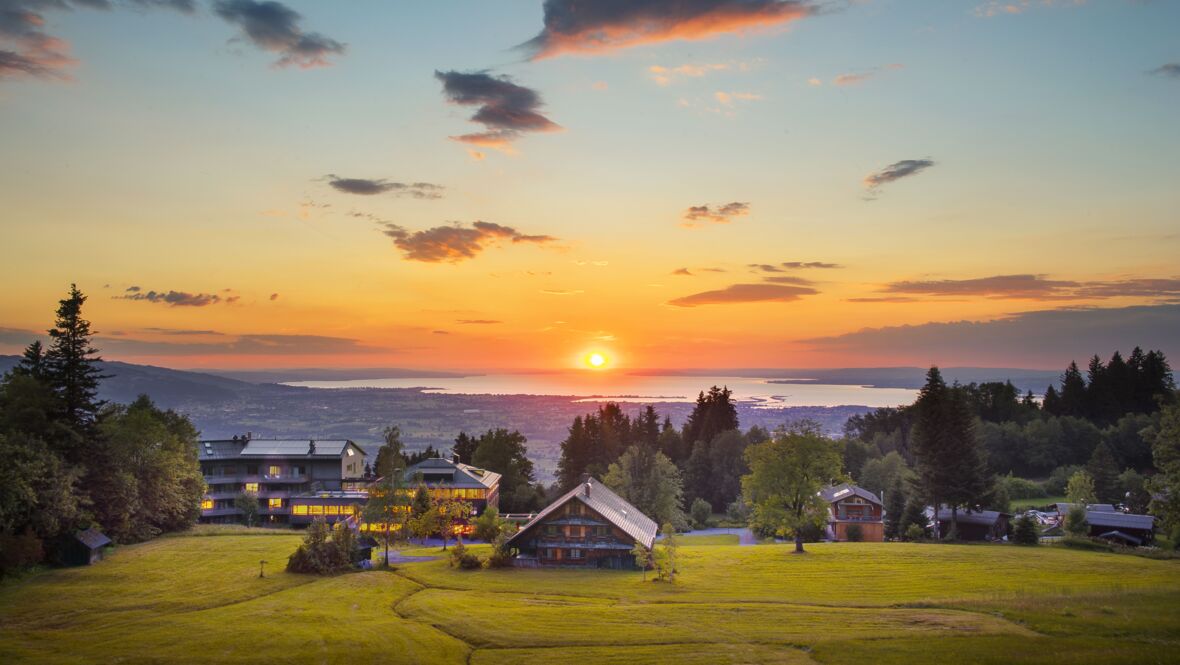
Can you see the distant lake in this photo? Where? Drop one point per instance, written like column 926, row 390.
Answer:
column 596, row 386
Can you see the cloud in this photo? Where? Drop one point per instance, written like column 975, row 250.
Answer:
column 667, row 75
column 728, row 98
column 1170, row 70
column 895, row 171
column 1038, row 287
column 590, row 28
column 797, row 265
column 505, row 109
column 884, row 299
column 175, row 298
column 478, row 322
column 562, row 292
column 854, row 78
column 455, row 243
column 440, row 332
column 786, row 279
column 813, row 81
column 1046, row 338
column 27, row 51
column 370, row 187
column 745, row 293
column 1008, row 7
column 251, row 344
column 274, row 27
column 683, row 272
column 180, row 332
column 274, row 296
column 718, row 214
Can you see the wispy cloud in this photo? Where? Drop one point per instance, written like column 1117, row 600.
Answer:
column 1170, row 70
column 27, row 51
column 1009, row 7
column 175, row 298
column 895, row 171
column 716, row 214
column 505, row 109
column 745, row 293
column 665, row 76
column 1030, row 339
column 793, row 265
column 371, row 187
column 854, row 78
column 274, row 27
column 477, row 322
column 455, row 243
column 1039, row 287
column 590, row 28
column 240, row 345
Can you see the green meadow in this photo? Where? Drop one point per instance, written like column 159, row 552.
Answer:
column 198, row 599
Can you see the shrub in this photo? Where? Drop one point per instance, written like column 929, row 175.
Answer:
column 737, row 511
column 700, row 511
column 458, row 551
column 1026, row 531
column 1075, row 522
column 1021, row 488
column 488, row 526
column 812, row 533
column 499, row 559
column 19, row 551
column 855, row 533
column 915, row 532
column 324, row 551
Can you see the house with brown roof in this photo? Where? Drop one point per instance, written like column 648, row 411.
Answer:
column 590, row 527
column 850, row 505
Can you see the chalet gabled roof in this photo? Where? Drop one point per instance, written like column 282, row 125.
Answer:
column 454, row 474
column 845, row 490
column 92, row 538
column 611, row 506
column 1119, row 520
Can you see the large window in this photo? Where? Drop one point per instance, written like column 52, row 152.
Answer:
column 274, row 471
column 315, row 510
column 252, row 487
column 275, row 503
column 206, row 504
column 575, row 554
column 299, row 510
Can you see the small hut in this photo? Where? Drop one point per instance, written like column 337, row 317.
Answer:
column 84, row 548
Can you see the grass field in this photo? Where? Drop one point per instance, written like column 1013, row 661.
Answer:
column 199, row 599
column 1025, row 504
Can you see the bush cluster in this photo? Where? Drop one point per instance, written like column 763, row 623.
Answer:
column 324, row 551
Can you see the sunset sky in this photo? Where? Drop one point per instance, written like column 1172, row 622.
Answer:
column 516, row 184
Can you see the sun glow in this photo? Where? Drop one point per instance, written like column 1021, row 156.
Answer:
column 596, row 360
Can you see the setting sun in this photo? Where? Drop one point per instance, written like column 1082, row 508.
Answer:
column 596, row 360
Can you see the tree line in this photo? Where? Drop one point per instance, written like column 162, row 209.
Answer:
column 71, row 461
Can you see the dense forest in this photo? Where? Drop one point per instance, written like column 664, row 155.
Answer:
column 71, row 461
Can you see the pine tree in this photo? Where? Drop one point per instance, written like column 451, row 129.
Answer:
column 1073, row 392
column 71, row 364
column 894, row 509
column 950, row 463
column 465, row 447
column 32, row 362
column 1051, row 404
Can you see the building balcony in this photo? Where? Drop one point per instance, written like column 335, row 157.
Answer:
column 857, row 518
column 219, row 512
column 586, row 543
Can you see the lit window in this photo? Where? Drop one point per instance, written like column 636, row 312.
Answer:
column 299, row 510
column 275, row 503
column 251, row 487
column 315, row 510
column 206, row 504
column 331, row 510
column 275, row 471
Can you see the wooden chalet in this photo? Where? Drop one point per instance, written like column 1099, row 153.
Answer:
column 849, row 505
column 975, row 524
column 589, row 527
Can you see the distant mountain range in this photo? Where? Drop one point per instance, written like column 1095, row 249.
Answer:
column 171, row 388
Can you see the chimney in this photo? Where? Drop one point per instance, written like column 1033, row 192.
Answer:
column 249, row 435
column 586, row 488
column 311, row 447
column 455, row 458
